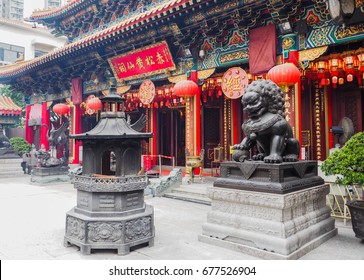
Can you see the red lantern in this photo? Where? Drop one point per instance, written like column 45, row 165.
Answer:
column 94, row 104
column 360, row 55
column 61, row 109
column 350, row 64
column 185, row 88
column 284, row 75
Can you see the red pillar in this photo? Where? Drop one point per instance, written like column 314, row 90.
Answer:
column 78, row 130
column 196, row 107
column 153, row 147
column 235, row 120
column 28, row 129
column 331, row 143
column 44, row 126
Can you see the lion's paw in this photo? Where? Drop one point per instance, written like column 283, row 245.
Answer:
column 258, row 157
column 274, row 158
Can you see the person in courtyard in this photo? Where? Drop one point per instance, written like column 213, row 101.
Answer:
column 24, row 162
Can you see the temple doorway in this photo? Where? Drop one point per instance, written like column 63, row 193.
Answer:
column 171, row 136
column 211, row 132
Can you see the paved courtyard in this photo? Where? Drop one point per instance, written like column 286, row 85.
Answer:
column 33, row 224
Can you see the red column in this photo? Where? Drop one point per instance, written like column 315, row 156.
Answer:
column 28, row 129
column 77, row 130
column 153, row 120
column 44, row 126
column 196, row 107
column 331, row 143
column 235, row 120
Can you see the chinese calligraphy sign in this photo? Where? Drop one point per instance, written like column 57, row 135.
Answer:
column 234, row 82
column 143, row 62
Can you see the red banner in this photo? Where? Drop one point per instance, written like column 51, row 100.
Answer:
column 143, row 62
column 77, row 87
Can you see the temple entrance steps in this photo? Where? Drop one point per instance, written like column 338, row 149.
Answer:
column 10, row 167
column 191, row 193
column 176, row 184
column 195, row 192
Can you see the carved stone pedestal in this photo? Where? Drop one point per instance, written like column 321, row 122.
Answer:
column 269, row 177
column 49, row 175
column 110, row 214
column 268, row 225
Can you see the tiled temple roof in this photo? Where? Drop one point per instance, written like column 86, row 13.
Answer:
column 111, row 31
column 8, row 107
column 54, row 12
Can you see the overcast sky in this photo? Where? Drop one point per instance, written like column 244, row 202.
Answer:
column 31, row 5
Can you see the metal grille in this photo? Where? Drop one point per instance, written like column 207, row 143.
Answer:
column 339, row 196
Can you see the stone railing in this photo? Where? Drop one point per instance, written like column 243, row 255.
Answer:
column 106, row 183
column 173, row 180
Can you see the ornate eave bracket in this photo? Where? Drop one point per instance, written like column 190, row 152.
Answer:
column 311, row 54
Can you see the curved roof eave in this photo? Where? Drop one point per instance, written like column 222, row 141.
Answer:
column 10, row 71
column 56, row 12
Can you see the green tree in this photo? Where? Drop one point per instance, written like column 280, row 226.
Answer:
column 348, row 162
column 16, row 96
column 20, row 144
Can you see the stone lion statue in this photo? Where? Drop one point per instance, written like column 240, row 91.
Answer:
column 266, row 127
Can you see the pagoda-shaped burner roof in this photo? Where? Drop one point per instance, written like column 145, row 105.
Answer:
column 113, row 124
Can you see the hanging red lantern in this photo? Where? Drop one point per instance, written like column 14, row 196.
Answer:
column 335, row 66
column 350, row 63
column 61, row 109
column 322, row 69
column 185, row 88
column 360, row 55
column 94, row 104
column 350, row 78
column 284, row 75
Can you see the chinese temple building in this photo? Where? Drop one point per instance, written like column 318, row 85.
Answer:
column 148, row 46
column 9, row 111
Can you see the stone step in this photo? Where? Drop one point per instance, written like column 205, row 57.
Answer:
column 10, row 165
column 10, row 160
column 194, row 190
column 189, row 197
column 11, row 173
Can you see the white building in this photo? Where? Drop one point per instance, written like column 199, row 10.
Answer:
column 52, row 3
column 12, row 9
column 20, row 40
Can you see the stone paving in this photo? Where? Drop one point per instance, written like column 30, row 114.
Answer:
column 33, row 223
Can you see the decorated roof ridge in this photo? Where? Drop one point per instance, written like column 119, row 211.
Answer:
column 23, row 24
column 7, row 104
column 53, row 12
column 117, row 28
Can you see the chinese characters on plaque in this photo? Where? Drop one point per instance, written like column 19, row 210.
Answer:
column 234, row 82
column 142, row 62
